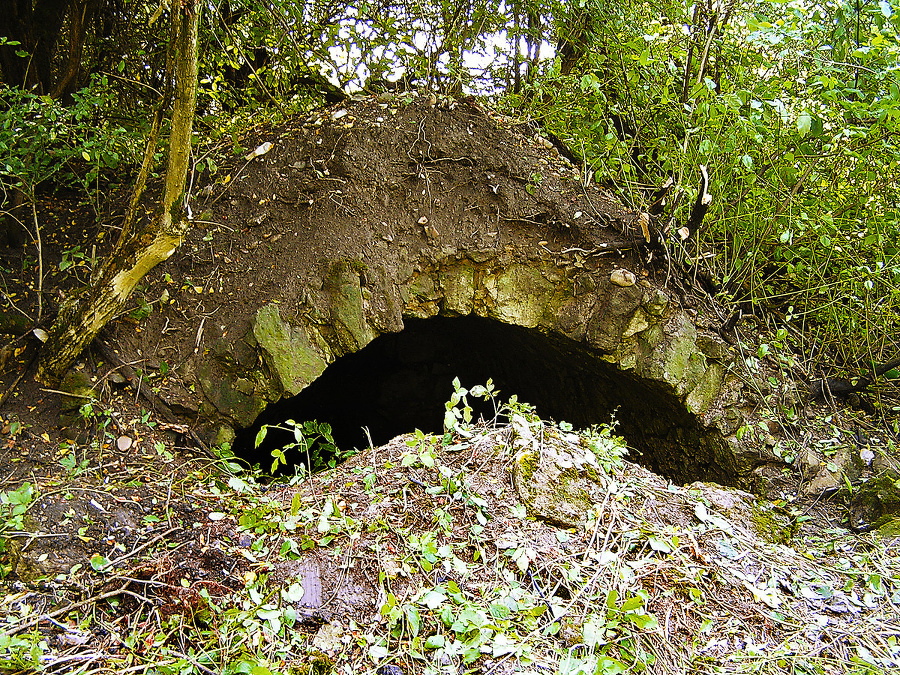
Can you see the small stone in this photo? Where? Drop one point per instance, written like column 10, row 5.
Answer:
column 390, row 669
column 622, row 277
column 117, row 378
column 259, row 151
column 423, row 220
column 123, row 443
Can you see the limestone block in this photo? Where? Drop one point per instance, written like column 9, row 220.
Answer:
column 613, row 315
column 219, row 385
column 638, row 324
column 671, row 355
column 348, row 312
column 555, row 489
column 287, row 350
column 707, row 390
column 521, row 295
column 420, row 297
column 655, row 302
column 458, row 284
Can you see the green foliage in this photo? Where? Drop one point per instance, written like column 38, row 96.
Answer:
column 458, row 412
column 41, row 140
column 22, row 653
column 13, row 506
column 14, row 503
column 795, row 109
column 603, row 631
column 313, row 444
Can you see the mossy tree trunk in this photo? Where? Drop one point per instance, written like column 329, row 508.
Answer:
column 137, row 253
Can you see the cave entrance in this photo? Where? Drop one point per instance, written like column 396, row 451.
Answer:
column 400, row 381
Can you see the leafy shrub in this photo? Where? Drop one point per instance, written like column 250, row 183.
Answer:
column 73, row 146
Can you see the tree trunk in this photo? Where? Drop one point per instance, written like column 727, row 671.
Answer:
column 81, row 12
column 77, row 325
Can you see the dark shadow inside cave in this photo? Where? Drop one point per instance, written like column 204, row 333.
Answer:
column 400, row 382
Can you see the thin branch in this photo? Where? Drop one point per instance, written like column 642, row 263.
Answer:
column 40, row 253
column 62, row 611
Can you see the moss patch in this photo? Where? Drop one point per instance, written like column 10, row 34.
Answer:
column 288, row 351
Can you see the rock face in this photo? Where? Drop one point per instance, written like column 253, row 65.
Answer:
column 354, row 223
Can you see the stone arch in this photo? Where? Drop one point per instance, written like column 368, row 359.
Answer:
column 618, row 330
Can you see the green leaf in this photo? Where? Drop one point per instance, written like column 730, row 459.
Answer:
column 99, row 563
column 612, row 599
column 412, row 619
column 449, row 420
column 261, row 436
column 293, row 593
column 632, row 603
column 593, row 631
column 378, row 652
column 435, row 641
column 433, row 599
column 499, row 611
column 21, row 496
column 642, row 621
column 659, row 545
column 804, row 122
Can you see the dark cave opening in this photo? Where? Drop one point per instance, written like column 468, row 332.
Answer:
column 401, row 381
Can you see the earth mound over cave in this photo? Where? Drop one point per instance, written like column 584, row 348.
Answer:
column 383, row 247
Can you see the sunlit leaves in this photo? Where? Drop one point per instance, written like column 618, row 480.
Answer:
column 804, row 122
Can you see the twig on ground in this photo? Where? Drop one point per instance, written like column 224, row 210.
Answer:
column 62, row 611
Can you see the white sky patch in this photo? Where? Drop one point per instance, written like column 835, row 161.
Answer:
column 350, row 67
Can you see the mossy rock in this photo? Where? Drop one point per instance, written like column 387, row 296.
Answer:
column 288, row 350
column 876, row 499
column 890, row 528
column 348, row 312
column 773, row 523
column 556, row 489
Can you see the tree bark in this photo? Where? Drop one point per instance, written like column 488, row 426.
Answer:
column 80, row 14
column 78, row 324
